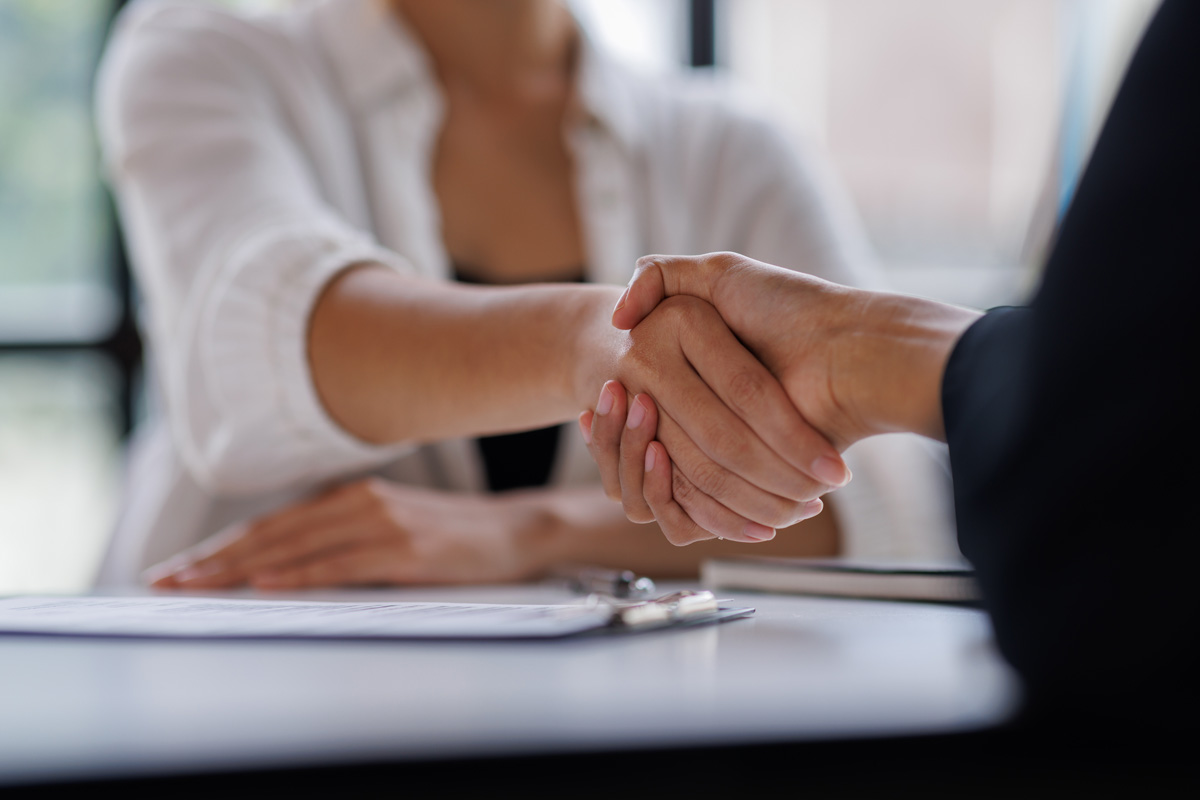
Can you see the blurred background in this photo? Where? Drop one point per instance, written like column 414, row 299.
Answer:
column 958, row 128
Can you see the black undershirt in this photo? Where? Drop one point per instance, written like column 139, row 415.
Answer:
column 516, row 460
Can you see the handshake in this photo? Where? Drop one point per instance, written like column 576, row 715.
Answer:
column 742, row 383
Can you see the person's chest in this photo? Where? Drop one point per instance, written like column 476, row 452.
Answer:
column 502, row 179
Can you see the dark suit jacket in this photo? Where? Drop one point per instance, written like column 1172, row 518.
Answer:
column 1073, row 423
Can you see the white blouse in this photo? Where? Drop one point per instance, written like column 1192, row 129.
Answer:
column 254, row 157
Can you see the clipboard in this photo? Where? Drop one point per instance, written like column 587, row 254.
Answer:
column 191, row 617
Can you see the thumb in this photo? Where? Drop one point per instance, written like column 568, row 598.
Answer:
column 656, row 278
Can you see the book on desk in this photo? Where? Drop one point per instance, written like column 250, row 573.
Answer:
column 938, row 582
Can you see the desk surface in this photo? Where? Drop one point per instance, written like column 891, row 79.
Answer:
column 800, row 669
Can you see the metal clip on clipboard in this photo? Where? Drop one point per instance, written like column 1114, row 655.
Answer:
column 623, row 584
column 671, row 609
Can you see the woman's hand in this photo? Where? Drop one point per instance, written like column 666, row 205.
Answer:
column 744, row 461
column 368, row 532
column 854, row 363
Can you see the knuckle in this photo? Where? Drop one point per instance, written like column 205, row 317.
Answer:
column 727, row 443
column 747, row 390
column 783, row 514
column 680, row 534
column 724, row 259
column 677, row 310
column 682, row 488
column 711, row 479
column 640, row 352
column 608, row 429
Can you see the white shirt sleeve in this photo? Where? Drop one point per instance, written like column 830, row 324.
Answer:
column 232, row 244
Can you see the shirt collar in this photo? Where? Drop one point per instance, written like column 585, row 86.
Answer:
column 374, row 55
column 377, row 58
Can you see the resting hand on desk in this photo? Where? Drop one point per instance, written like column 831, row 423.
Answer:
column 367, row 532
column 855, row 363
column 376, row 532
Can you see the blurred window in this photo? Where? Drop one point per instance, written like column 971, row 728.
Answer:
column 649, row 34
column 958, row 127
column 61, row 300
column 54, row 224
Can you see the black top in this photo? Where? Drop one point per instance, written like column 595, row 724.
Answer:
column 516, row 460
column 1072, row 424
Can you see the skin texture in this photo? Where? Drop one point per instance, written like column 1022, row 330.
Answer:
column 854, row 363
column 402, row 358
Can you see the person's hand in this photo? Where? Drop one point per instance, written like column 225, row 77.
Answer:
column 367, row 532
column 855, row 363
column 743, row 461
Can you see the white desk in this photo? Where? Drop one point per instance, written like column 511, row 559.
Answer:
column 800, row 669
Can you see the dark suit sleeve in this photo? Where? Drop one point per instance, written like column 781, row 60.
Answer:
column 1072, row 423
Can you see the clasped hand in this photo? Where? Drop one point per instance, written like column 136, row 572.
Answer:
column 743, row 461
column 836, row 364
column 370, row 531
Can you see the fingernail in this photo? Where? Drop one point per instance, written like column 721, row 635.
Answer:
column 812, row 508
column 831, row 471
column 650, row 459
column 621, row 301
column 586, row 431
column 607, row 398
column 636, row 415
column 758, row 533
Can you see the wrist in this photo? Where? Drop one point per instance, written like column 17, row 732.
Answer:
column 593, row 345
column 900, row 360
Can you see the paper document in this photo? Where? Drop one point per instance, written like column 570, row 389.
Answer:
column 202, row 617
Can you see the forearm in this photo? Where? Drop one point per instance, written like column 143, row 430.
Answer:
column 582, row 526
column 396, row 358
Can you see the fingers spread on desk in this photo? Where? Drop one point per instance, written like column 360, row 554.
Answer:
column 203, row 565
column 348, row 566
column 230, row 557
